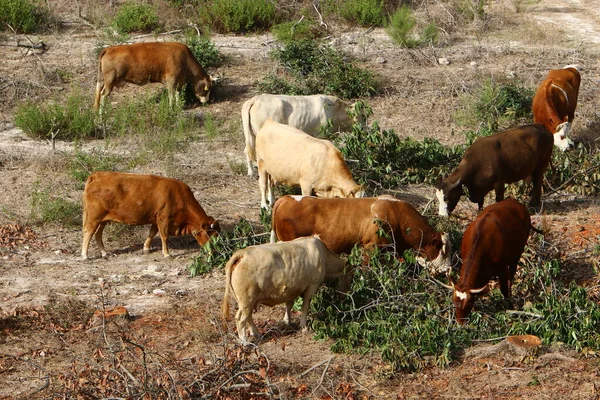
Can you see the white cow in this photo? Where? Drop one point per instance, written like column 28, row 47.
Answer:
column 277, row 273
column 289, row 156
column 306, row 113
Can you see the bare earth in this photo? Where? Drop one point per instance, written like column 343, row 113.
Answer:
column 40, row 270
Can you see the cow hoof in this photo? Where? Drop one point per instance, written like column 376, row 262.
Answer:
column 146, row 251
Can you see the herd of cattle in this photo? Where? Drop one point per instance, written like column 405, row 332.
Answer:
column 314, row 231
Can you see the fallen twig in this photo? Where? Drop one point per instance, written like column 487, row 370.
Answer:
column 328, row 360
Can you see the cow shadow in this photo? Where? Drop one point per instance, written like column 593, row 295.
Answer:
column 556, row 204
column 590, row 135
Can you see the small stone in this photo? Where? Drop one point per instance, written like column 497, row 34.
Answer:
column 380, row 60
column 473, row 64
column 145, row 291
column 158, row 292
column 181, row 292
column 443, row 61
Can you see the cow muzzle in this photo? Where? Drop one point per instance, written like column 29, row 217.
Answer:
column 443, row 206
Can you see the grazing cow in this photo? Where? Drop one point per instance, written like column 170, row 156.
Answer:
column 288, row 155
column 142, row 63
column 306, row 113
column 343, row 223
column 492, row 161
column 167, row 204
column 491, row 247
column 277, row 273
column 555, row 101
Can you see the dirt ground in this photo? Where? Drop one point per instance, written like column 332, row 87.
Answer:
column 173, row 319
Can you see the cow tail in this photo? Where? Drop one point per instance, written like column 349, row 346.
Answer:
column 228, row 271
column 98, row 83
column 250, row 136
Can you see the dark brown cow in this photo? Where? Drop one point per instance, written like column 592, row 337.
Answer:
column 166, row 204
column 342, row 223
column 140, row 63
column 555, row 101
column 493, row 161
column 491, row 247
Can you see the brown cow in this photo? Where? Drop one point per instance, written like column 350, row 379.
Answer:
column 167, row 204
column 277, row 273
column 289, row 156
column 343, row 223
column 491, row 247
column 492, row 161
column 140, row 63
column 555, row 101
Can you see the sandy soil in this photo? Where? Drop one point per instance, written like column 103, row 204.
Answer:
column 42, row 278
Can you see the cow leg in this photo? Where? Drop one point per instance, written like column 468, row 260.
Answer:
column 263, row 181
column 306, row 188
column 99, row 240
column 306, row 297
column 248, row 162
column 537, row 179
column 88, row 232
column 288, row 311
column 270, row 191
column 244, row 319
column 164, row 235
column 153, row 231
column 499, row 188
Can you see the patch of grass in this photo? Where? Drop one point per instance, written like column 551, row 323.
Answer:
column 24, row 16
column 204, row 50
column 75, row 120
column 395, row 309
column 219, row 249
column 238, row 16
column 290, row 31
column 363, row 12
column 135, row 17
column 49, row 207
column 210, row 126
column 237, row 167
column 312, row 67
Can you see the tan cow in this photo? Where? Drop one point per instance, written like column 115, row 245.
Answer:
column 277, row 273
column 289, row 156
column 307, row 113
column 168, row 205
column 555, row 101
column 170, row 63
column 343, row 223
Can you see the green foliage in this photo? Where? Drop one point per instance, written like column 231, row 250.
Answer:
column 204, row 50
column 471, row 10
column 238, row 16
column 395, row 309
column 501, row 104
column 82, row 164
column 135, row 17
column 384, row 160
column 401, row 29
column 219, row 249
column 290, row 31
column 48, row 207
column 577, row 170
column 23, row 16
column 70, row 122
column 317, row 68
column 363, row 12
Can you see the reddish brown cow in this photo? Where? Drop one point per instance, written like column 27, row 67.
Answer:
column 167, row 204
column 555, row 101
column 521, row 153
column 141, row 63
column 342, row 223
column 491, row 247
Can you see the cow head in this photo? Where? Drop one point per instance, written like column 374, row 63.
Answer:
column 463, row 300
column 203, row 87
column 208, row 229
column 448, row 194
column 561, row 137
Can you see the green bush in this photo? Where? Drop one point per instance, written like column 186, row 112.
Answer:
column 73, row 121
column 22, row 15
column 395, row 309
column 316, row 68
column 134, row 17
column 363, row 12
column 238, row 16
column 290, row 31
column 401, row 29
column 204, row 50
column 219, row 249
column 501, row 104
column 82, row 164
column 47, row 207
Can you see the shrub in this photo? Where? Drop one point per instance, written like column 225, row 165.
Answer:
column 290, row 31
column 204, row 50
column 22, row 15
column 316, row 68
column 46, row 207
column 502, row 104
column 82, row 164
column 363, row 12
column 401, row 29
column 133, row 17
column 238, row 16
column 73, row 121
column 220, row 248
